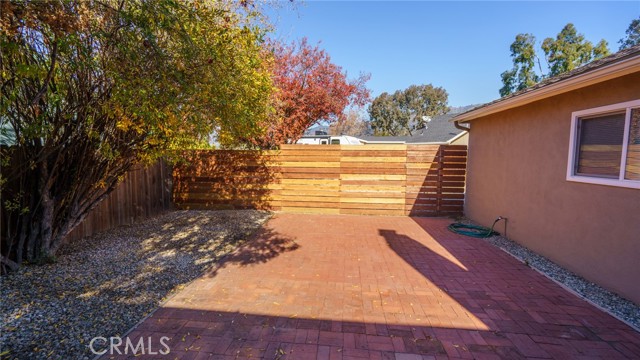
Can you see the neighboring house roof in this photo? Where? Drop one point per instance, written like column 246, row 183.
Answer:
column 439, row 130
column 622, row 63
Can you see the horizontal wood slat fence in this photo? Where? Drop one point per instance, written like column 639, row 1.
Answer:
column 416, row 180
column 143, row 192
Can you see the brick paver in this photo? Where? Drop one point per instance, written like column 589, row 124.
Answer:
column 363, row 287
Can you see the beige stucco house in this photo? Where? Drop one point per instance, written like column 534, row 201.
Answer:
column 561, row 161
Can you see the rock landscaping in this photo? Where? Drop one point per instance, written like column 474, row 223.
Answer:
column 105, row 284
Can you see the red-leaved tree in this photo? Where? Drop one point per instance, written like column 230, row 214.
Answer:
column 309, row 88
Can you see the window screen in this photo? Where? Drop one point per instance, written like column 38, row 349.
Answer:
column 600, row 145
column 632, row 169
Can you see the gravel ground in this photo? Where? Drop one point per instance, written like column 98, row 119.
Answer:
column 103, row 285
column 610, row 302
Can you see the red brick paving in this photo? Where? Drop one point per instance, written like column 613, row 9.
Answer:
column 360, row 287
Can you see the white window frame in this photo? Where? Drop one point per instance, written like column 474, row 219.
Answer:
column 573, row 142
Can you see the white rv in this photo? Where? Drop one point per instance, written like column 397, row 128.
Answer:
column 329, row 140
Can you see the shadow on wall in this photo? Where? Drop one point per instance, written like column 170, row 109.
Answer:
column 427, row 196
column 435, row 180
column 225, row 179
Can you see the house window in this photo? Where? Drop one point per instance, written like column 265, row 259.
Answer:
column 605, row 145
column 335, row 141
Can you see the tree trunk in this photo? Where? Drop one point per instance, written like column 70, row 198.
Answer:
column 34, row 230
column 22, row 237
column 46, row 222
column 12, row 265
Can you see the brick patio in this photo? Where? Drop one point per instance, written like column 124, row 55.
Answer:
column 363, row 287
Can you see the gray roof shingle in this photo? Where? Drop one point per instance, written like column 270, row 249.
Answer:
column 439, row 129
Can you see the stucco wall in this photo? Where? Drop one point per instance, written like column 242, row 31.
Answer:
column 517, row 168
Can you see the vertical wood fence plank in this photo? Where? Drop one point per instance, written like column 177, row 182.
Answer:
column 136, row 197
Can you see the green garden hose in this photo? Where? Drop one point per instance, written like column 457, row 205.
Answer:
column 476, row 231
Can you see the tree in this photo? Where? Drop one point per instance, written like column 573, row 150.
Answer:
column 309, row 88
column 570, row 50
column 406, row 110
column 92, row 88
column 632, row 35
column 353, row 123
column 564, row 53
column 524, row 58
column 385, row 116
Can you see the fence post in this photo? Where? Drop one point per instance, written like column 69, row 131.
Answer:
column 440, row 161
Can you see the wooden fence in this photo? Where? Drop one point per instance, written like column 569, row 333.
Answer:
column 416, row 180
column 144, row 192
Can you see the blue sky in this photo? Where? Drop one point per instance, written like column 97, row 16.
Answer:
column 461, row 46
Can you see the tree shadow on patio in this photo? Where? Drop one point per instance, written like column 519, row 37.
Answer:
column 123, row 274
column 265, row 245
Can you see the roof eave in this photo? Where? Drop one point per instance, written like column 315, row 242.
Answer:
column 612, row 71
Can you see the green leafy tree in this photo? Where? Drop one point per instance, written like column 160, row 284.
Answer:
column 523, row 73
column 570, row 49
column 385, row 115
column 632, row 35
column 564, row 53
column 601, row 49
column 405, row 110
column 92, row 88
